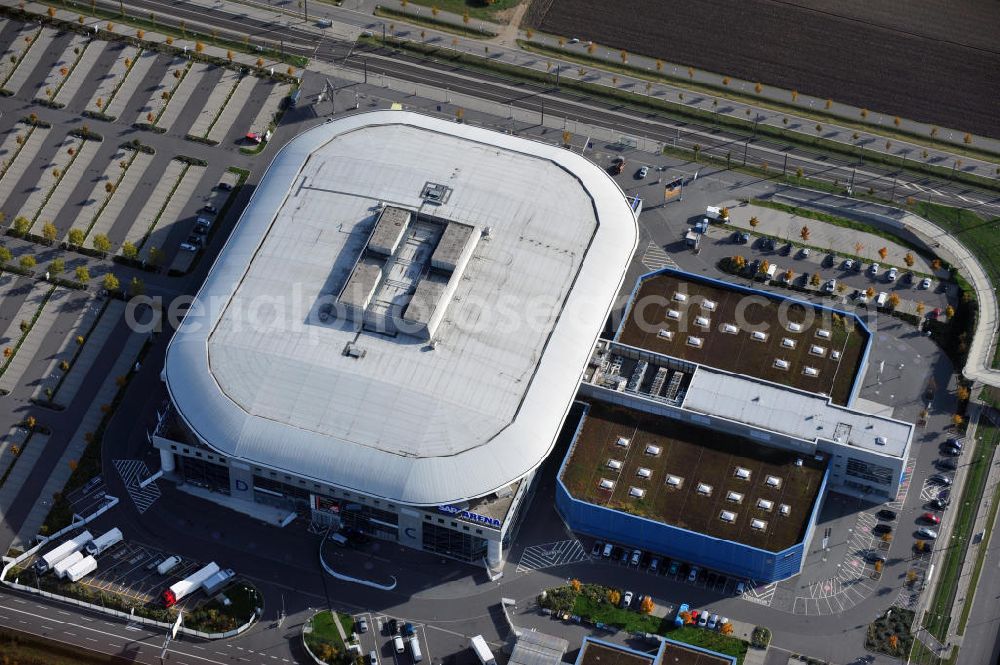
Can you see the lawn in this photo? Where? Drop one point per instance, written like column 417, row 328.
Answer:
column 214, row 616
column 605, row 612
column 26, row 649
column 324, row 630
column 476, row 8
column 709, row 639
column 938, row 616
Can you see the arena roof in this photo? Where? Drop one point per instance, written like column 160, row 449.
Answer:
column 273, row 367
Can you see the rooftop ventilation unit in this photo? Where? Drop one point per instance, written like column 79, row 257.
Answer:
column 781, row 364
column 742, row 473
column 734, row 497
column 785, row 509
column 673, row 314
column 615, row 465
column 759, row 336
column 798, row 461
column 835, row 355
column 435, row 193
column 773, row 481
column 788, row 342
column 643, row 472
column 702, row 321
column 823, row 332
column 729, row 329
column 653, row 450
column 764, row 504
column 710, row 305
column 680, row 297
column 794, row 327
column 810, row 371
column 622, row 442
column 880, row 441
column 817, row 350
column 607, row 485
column 704, row 490
column 665, row 334
column 696, row 342
column 760, row 525
column 727, row 516
column 674, row 481
column 636, row 492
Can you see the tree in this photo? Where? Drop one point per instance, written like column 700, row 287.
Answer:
column 49, row 231
column 76, row 236
column 57, row 267
column 819, row 128
column 804, row 233
column 566, row 137
column 5, row 254
column 140, row 33
column 614, row 597
column 864, row 113
column 136, row 287
column 727, row 629
column 829, row 104
column 949, row 311
column 623, row 54
column 886, row 537
column 878, row 566
column 893, row 640
column 129, row 250
column 290, row 71
column 51, row 12
column 893, row 300
column 111, row 27
column 909, row 260
column 99, row 103
column 229, row 56
column 795, row 95
column 30, row 422
column 28, row 262
column 647, row 606
column 758, row 88
column 936, row 264
column 962, row 393
column 814, row 280
column 21, row 225
column 102, row 243
column 110, row 282
column 591, row 48
column 754, row 222
column 765, row 265
column 725, row 80
column 465, row 20
column 434, row 10
column 967, row 139
column 870, row 292
column 724, row 214
column 199, row 47
column 738, row 262
column 529, row 33
column 169, row 40
column 459, row 114
column 883, row 252
column 789, row 275
column 858, row 246
column 659, row 65
column 920, row 308
column 260, row 62
column 82, row 274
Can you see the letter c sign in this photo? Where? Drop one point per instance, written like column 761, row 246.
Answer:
column 241, row 486
column 410, row 533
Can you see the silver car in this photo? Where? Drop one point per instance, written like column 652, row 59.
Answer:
column 929, row 534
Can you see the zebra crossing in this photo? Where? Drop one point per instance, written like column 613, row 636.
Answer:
column 132, row 472
column 537, row 557
column 655, row 258
column 761, row 595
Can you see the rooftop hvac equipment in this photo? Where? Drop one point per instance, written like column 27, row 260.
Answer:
column 817, row 350
column 880, row 440
column 785, row 509
column 729, row 329
column 823, row 332
column 622, row 442
column 810, row 371
column 673, row 314
column 653, row 450
column 696, row 342
column 607, row 485
column 764, row 504
column 727, row 516
column 614, row 465
column 674, row 386
column 680, row 297
column 788, row 342
column 735, row 497
column 760, row 525
column 674, row 481
column 710, row 305
column 665, row 334
column 643, row 472
column 704, row 490
column 773, row 481
column 657, row 387
column 635, row 380
column 794, row 327
column 486, row 233
column 636, row 492
column 835, row 355
column 780, row 363
column 759, row 336
column 742, row 473
column 702, row 321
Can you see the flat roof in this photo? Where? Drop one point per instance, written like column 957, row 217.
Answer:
column 793, row 412
column 707, row 466
column 605, row 653
column 534, row 648
column 257, row 375
column 677, row 653
column 819, row 350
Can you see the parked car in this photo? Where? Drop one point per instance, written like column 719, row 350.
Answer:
column 858, row 266
column 948, row 464
column 188, row 247
column 931, row 517
column 744, row 238
column 741, row 588
column 886, row 514
column 737, row 238
column 880, row 529
column 929, row 534
column 681, row 609
column 693, row 575
column 874, row 557
column 196, row 240
column 713, row 621
column 627, row 599
column 804, row 253
column 636, row 556
column 848, row 264
column 891, row 275
column 941, row 479
column 787, row 249
column 225, row 186
column 624, row 556
column 597, row 549
column 210, row 209
column 944, row 494
column 654, row 564
column 362, row 624
column 830, row 285
column 674, row 567
column 200, row 230
column 702, row 619
column 723, row 621
column 392, row 626
column 951, row 452
column 955, row 442
column 642, row 173
column 372, row 657
column 925, row 283
column 769, row 244
column 874, row 268
column 938, row 503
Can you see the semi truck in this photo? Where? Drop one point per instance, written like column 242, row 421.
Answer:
column 62, row 551
column 100, row 544
column 482, row 650
column 60, row 568
column 188, row 585
column 215, row 583
column 81, row 569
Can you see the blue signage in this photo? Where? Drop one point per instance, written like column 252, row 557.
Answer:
column 472, row 517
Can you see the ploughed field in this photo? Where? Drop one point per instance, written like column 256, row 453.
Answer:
column 918, row 59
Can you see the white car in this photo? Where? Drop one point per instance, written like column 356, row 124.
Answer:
column 188, row 247
column 830, row 285
column 627, row 599
column 741, row 588
column 693, row 575
column 925, row 283
column 703, row 619
column 924, row 532
column 574, row 40
column 874, row 269
column 848, row 264
column 643, row 172
column 891, row 275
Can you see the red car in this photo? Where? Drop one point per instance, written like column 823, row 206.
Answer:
column 931, row 517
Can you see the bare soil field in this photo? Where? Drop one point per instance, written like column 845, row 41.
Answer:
column 921, row 59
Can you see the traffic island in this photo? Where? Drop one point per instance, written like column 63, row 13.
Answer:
column 326, row 638
column 237, row 605
column 890, row 633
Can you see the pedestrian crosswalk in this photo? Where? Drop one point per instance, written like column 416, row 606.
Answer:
column 761, row 595
column 537, row 557
column 655, row 258
column 133, row 472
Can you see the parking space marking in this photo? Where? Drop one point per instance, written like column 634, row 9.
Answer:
column 537, row 557
column 655, row 258
column 134, row 471
column 761, row 595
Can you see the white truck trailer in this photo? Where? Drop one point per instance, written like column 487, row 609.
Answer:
column 482, row 650
column 188, row 585
column 100, row 544
column 60, row 568
column 62, row 551
column 81, row 569
column 215, row 583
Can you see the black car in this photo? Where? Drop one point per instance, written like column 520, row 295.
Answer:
column 886, row 514
column 209, row 208
column 955, row 442
column 644, row 561
column 872, row 557
column 948, row 464
column 711, row 579
column 880, row 529
column 392, row 626
column 200, row 229
column 225, row 186
column 944, row 494
column 196, row 240
column 597, row 549
column 786, row 250
column 951, row 452
column 737, row 238
column 937, row 504
column 753, row 267
column 702, row 575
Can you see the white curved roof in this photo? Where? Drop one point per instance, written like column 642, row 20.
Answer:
column 257, row 376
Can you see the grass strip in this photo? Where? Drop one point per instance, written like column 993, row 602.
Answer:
column 24, row 335
column 938, row 616
column 435, row 24
column 730, row 94
column 29, row 649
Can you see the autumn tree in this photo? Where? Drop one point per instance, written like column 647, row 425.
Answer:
column 909, row 260
column 949, row 311
column 883, row 252
column 920, row 308
column 814, row 280
column 804, row 233
column 893, row 300
column 936, row 264
column 575, row 585
column 754, row 222
column 738, row 262
column 49, row 231
column 102, row 243
column 870, row 292
column 764, row 267
column 858, row 247
column 110, row 282
column 82, row 274
column 614, row 596
column 76, row 236
column 789, row 275
column 647, row 606
column 957, row 420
